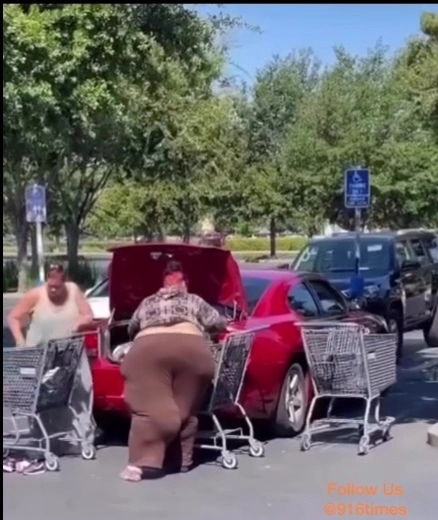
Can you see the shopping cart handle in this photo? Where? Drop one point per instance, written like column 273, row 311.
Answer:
column 327, row 324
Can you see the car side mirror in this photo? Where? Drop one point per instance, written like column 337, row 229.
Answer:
column 410, row 265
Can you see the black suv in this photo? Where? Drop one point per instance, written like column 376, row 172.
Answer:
column 400, row 271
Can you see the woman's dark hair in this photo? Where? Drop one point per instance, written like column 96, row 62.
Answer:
column 173, row 266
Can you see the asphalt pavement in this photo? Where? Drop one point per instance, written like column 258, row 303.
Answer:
column 396, row 479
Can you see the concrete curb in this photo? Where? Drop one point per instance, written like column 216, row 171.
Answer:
column 432, row 436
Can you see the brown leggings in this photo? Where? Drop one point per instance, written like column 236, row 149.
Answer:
column 166, row 378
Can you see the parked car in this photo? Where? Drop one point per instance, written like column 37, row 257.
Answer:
column 98, row 298
column 276, row 387
column 433, row 331
column 399, row 270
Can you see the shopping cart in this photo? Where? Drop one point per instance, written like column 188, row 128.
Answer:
column 38, row 381
column 347, row 362
column 231, row 359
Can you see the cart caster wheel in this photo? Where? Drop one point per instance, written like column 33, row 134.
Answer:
column 229, row 460
column 88, row 453
column 306, row 443
column 256, row 449
column 364, row 445
column 52, row 463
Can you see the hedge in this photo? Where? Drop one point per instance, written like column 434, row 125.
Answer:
column 263, row 243
column 85, row 275
column 293, row 243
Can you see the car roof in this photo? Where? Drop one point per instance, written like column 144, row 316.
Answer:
column 279, row 275
column 269, row 274
column 383, row 235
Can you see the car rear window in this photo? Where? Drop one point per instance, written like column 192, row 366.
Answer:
column 101, row 290
column 254, row 289
column 340, row 255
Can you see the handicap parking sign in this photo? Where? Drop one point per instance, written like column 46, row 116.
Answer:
column 36, row 203
column 357, row 188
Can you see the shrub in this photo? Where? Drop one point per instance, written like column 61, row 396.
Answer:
column 294, row 243
column 10, row 276
column 84, row 274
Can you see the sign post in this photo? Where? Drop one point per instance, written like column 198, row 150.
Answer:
column 357, row 196
column 36, row 213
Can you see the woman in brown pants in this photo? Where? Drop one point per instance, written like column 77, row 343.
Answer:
column 167, row 373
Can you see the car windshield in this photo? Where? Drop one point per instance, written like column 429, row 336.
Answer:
column 338, row 255
column 100, row 290
column 254, row 288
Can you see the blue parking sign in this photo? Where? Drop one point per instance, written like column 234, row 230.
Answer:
column 357, row 188
column 36, row 203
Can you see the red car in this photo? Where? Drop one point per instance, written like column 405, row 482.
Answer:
column 276, row 386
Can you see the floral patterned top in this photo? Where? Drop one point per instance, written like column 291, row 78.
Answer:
column 170, row 306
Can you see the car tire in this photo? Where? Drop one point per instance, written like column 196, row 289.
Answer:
column 292, row 407
column 431, row 332
column 395, row 326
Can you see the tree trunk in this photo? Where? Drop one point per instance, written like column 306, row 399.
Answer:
column 57, row 243
column 272, row 237
column 33, row 244
column 72, row 231
column 160, row 234
column 21, row 236
column 187, row 231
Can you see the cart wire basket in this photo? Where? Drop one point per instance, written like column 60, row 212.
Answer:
column 231, row 360
column 37, row 380
column 345, row 361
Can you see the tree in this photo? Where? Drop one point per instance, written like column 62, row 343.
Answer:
column 278, row 93
column 101, row 81
column 130, row 209
column 25, row 101
column 418, row 70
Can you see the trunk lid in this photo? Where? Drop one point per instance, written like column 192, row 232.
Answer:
column 137, row 272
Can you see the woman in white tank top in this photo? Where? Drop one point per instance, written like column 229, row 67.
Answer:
column 56, row 309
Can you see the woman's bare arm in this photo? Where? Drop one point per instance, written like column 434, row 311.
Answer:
column 84, row 308
column 22, row 310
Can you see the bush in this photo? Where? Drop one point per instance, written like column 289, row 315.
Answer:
column 10, row 276
column 85, row 274
column 262, row 243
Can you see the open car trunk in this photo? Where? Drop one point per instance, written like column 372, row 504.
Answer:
column 136, row 273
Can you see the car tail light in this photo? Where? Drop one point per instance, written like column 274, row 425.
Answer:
column 91, row 340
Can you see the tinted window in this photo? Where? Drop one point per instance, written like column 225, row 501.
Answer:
column 101, row 290
column 339, row 255
column 254, row 288
column 419, row 251
column 301, row 301
column 331, row 302
column 431, row 244
column 402, row 252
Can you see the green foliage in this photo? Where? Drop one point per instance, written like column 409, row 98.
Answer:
column 118, row 109
column 10, row 276
column 84, row 274
column 262, row 244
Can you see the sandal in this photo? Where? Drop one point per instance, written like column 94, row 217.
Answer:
column 131, row 474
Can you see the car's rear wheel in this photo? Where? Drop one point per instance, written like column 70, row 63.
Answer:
column 292, row 407
column 395, row 326
column 431, row 332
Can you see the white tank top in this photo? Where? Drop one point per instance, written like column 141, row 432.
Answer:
column 50, row 321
